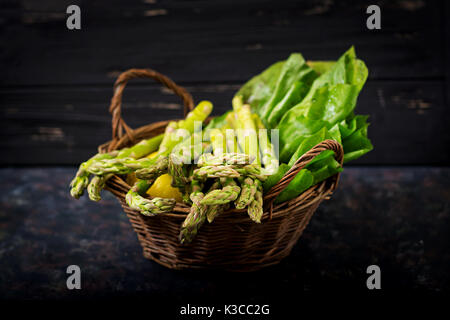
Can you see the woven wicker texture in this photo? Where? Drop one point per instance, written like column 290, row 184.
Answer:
column 232, row 241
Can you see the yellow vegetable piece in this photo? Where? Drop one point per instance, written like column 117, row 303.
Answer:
column 152, row 155
column 162, row 188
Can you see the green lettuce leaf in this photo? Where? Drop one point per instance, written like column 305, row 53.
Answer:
column 302, row 181
column 357, row 143
column 295, row 94
column 274, row 178
column 259, row 89
column 294, row 69
column 320, row 66
column 295, row 129
column 310, row 102
column 314, row 139
column 331, row 99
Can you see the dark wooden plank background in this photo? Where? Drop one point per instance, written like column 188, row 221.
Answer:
column 56, row 84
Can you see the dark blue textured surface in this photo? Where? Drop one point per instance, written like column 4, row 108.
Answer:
column 397, row 218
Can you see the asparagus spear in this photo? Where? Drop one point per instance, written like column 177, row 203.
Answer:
column 81, row 180
column 96, row 185
column 245, row 129
column 252, row 171
column 228, row 193
column 231, row 120
column 119, row 166
column 182, row 155
column 199, row 114
column 245, row 120
column 248, row 190
column 177, row 132
column 255, row 207
column 236, row 159
column 230, row 139
column 190, row 149
column 215, row 172
column 178, row 172
column 269, row 158
column 218, row 142
column 147, row 207
column 229, row 171
column 213, row 211
column 188, row 187
column 153, row 171
column 171, row 137
column 197, row 215
column 178, row 168
column 164, row 149
column 141, row 148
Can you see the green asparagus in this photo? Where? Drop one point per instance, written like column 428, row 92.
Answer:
column 246, row 131
column 178, row 172
column 255, row 207
column 213, row 211
column 230, row 140
column 197, row 214
column 228, row 193
column 81, row 179
column 252, row 171
column 269, row 158
column 236, row 159
column 147, row 207
column 218, row 142
column 153, row 171
column 96, row 185
column 119, row 166
column 216, row 172
column 248, row 190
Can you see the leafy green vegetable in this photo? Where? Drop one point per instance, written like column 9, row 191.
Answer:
column 320, row 66
column 295, row 129
column 294, row 70
column 312, row 140
column 357, row 143
column 331, row 99
column 310, row 102
column 302, row 181
column 324, row 167
column 296, row 93
column 274, row 178
column 320, row 168
column 259, row 88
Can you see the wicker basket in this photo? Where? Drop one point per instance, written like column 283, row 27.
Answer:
column 233, row 241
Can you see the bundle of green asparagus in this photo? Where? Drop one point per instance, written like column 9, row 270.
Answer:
column 196, row 160
column 233, row 160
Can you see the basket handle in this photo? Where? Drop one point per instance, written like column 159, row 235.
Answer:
column 300, row 164
column 118, row 124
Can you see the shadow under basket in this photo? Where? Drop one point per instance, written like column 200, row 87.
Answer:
column 233, row 241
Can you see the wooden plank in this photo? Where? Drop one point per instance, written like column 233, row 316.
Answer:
column 211, row 41
column 446, row 42
column 409, row 120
